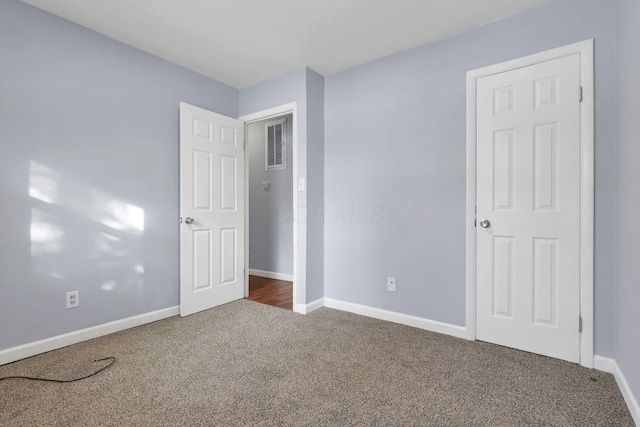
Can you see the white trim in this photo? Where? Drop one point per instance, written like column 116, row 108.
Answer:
column 291, row 108
column 471, row 205
column 627, row 393
column 280, row 110
column 604, row 364
column 587, row 207
column 585, row 50
column 308, row 308
column 609, row 365
column 271, row 275
column 31, row 349
column 395, row 317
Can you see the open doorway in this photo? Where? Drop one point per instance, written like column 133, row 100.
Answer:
column 270, row 210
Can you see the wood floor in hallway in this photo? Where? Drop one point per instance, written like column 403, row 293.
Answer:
column 278, row 293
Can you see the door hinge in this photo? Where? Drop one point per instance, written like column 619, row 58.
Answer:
column 475, row 220
column 580, row 324
column 580, row 94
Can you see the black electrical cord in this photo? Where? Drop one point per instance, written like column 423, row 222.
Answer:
column 113, row 360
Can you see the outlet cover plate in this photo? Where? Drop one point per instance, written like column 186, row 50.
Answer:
column 391, row 284
column 73, row 299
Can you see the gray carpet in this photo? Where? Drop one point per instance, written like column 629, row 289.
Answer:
column 250, row 364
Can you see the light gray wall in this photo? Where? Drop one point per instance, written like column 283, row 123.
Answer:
column 628, row 254
column 315, row 186
column 299, row 86
column 284, row 89
column 395, row 164
column 88, row 174
column 271, row 211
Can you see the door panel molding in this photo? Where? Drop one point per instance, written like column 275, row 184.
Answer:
column 545, row 95
column 212, row 205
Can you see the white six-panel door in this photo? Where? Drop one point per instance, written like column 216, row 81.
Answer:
column 528, row 191
column 211, row 209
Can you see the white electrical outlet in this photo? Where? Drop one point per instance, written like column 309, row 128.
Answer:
column 391, row 284
column 73, row 299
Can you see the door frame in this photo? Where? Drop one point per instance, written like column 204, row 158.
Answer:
column 282, row 110
column 587, row 137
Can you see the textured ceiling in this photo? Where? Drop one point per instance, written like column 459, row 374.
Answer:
column 242, row 42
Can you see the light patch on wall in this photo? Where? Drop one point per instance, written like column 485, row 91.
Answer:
column 74, row 225
column 46, row 238
column 139, row 268
column 43, row 183
column 108, row 285
column 125, row 217
column 47, row 245
column 49, row 186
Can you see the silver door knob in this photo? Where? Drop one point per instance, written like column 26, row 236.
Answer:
column 188, row 220
column 484, row 223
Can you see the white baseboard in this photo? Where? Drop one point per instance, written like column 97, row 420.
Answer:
column 31, row 349
column 609, row 365
column 392, row 316
column 308, row 308
column 627, row 393
column 604, row 364
column 271, row 275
